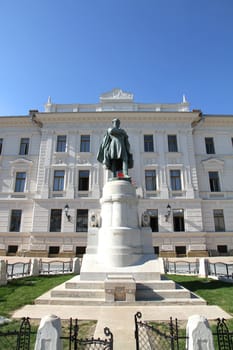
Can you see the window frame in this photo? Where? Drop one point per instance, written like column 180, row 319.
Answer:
column 150, row 180
column 1, row 145
column 209, row 145
column 82, row 220
column 83, row 181
column 20, row 182
column 214, row 182
column 61, row 145
column 148, row 143
column 172, row 143
column 24, row 146
column 175, row 181
column 16, row 216
column 178, row 220
column 85, row 143
column 219, row 220
column 58, row 180
column 55, row 222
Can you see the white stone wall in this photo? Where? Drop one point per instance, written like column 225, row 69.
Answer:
column 195, row 198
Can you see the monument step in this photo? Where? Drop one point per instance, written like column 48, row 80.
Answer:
column 98, row 301
column 84, row 285
column 79, row 293
column 150, row 294
column 162, row 284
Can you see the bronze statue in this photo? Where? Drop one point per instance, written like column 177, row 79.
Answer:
column 114, row 152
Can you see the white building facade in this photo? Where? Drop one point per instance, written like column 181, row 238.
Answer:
column 51, row 182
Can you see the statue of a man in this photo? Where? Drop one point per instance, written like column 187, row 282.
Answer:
column 114, row 152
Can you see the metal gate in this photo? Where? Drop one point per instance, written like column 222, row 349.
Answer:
column 150, row 338
column 76, row 343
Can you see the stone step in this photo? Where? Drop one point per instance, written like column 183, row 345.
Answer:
column 163, row 284
column 98, row 301
column 78, row 293
column 84, row 285
column 150, row 294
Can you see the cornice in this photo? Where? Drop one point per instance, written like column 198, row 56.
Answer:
column 106, row 117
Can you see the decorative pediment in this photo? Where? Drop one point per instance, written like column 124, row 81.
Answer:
column 213, row 164
column 21, row 162
column 116, row 95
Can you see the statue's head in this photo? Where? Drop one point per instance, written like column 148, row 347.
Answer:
column 116, row 122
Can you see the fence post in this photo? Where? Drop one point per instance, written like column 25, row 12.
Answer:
column 76, row 266
column 34, row 267
column 3, row 273
column 49, row 334
column 203, row 267
column 198, row 333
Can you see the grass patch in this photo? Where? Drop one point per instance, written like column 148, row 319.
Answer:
column 20, row 292
column 213, row 291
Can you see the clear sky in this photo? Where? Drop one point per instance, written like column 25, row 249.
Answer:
column 75, row 50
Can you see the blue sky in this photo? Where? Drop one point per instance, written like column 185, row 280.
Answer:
column 75, row 50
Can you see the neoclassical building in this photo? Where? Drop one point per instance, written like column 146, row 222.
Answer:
column 51, row 182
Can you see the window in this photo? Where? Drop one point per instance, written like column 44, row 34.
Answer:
column 175, row 180
column 85, row 143
column 55, row 220
column 58, row 180
column 83, row 182
column 79, row 251
column 150, row 180
column 24, row 146
column 172, row 143
column 222, row 249
column 1, row 142
column 54, row 250
column 154, row 223
column 20, row 181
column 214, row 181
column 209, row 145
column 178, row 220
column 61, row 143
column 219, row 223
column 82, row 220
column 15, row 220
column 148, row 143
column 180, row 250
column 232, row 141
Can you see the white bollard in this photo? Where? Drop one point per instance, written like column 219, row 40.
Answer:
column 76, row 266
column 34, row 267
column 49, row 334
column 203, row 267
column 3, row 278
column 199, row 334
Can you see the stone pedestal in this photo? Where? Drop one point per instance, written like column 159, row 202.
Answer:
column 120, row 288
column 120, row 245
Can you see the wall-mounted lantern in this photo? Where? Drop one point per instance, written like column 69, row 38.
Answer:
column 168, row 214
column 66, row 208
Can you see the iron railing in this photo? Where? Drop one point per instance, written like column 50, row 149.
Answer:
column 55, row 267
column 181, row 267
column 18, row 339
column 221, row 269
column 76, row 343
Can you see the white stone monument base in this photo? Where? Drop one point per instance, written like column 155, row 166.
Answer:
column 147, row 268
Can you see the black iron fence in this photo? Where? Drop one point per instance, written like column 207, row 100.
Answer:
column 24, row 338
column 170, row 337
column 150, row 337
column 17, row 339
column 76, row 343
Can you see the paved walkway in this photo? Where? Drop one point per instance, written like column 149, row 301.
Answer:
column 120, row 319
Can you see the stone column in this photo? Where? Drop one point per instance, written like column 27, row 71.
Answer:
column 199, row 334
column 49, row 334
column 3, row 278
